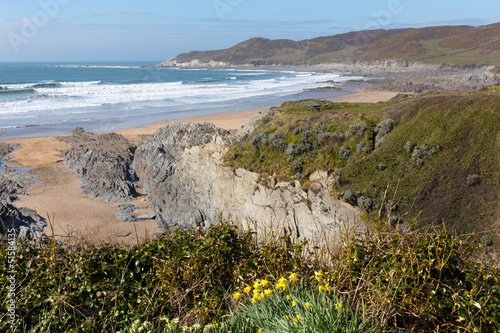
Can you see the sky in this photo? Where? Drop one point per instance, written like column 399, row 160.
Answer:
column 157, row 30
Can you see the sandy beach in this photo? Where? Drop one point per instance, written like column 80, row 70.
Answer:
column 74, row 216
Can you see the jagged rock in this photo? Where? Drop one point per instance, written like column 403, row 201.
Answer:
column 4, row 149
column 24, row 222
column 103, row 161
column 125, row 234
column 127, row 208
column 188, row 186
column 13, row 183
column 126, row 217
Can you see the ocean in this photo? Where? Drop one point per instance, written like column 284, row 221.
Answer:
column 53, row 98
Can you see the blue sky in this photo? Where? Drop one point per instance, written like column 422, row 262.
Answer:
column 106, row 30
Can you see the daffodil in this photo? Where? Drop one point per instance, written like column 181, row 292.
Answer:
column 294, row 303
column 260, row 330
column 264, row 282
column 294, row 277
column 338, row 306
column 327, row 287
column 247, row 289
column 256, row 286
column 298, row 317
column 319, row 276
column 268, row 293
column 308, row 305
column 321, row 288
column 288, row 297
column 236, row 295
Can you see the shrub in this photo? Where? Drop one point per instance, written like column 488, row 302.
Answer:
column 365, row 203
column 382, row 130
column 328, row 138
column 349, row 197
column 408, row 147
column 297, row 165
column 291, row 152
column 357, row 129
column 344, row 153
column 277, row 140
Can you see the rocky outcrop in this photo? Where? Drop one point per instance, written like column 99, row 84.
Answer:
column 24, row 222
column 189, row 186
column 4, row 149
column 103, row 162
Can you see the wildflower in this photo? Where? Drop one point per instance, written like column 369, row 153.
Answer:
column 294, row 277
column 288, row 297
column 256, row 286
column 321, row 288
column 338, row 306
column 247, row 289
column 319, row 276
column 236, row 295
column 294, row 303
column 260, row 330
column 282, row 284
column 268, row 293
column 327, row 287
column 308, row 305
column 298, row 317
column 264, row 282
column 255, row 298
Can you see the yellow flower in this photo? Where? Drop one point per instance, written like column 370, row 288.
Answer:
column 256, row 286
column 268, row 292
column 319, row 276
column 256, row 297
column 236, row 295
column 254, row 300
column 260, row 330
column 288, row 297
column 338, row 306
column 298, row 317
column 327, row 287
column 321, row 288
column 287, row 318
column 308, row 305
column 294, row 303
column 282, row 280
column 247, row 289
column 264, row 282
column 294, row 277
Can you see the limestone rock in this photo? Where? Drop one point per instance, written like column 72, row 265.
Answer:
column 188, row 186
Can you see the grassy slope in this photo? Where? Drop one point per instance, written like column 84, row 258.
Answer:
column 456, row 180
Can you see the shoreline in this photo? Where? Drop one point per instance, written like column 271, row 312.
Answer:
column 73, row 215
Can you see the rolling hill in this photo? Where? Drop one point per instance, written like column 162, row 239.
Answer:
column 441, row 44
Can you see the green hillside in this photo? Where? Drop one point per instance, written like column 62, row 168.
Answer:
column 442, row 44
column 435, row 157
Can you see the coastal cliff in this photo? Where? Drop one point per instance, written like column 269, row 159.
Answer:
column 189, row 186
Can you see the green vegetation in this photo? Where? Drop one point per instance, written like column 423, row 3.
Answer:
column 434, row 156
column 419, row 281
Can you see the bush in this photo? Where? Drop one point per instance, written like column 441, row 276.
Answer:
column 328, row 138
column 297, row 165
column 291, row 152
column 344, row 153
column 357, row 129
column 365, row 203
column 382, row 130
column 277, row 140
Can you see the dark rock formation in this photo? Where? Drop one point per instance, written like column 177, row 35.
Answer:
column 156, row 162
column 103, row 162
column 4, row 149
column 24, row 222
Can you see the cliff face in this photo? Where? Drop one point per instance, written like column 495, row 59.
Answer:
column 189, row 186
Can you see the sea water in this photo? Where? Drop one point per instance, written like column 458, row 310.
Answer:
column 53, row 98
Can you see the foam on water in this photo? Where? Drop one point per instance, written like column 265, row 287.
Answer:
column 71, row 92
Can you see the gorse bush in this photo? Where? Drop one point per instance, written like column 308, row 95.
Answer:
column 413, row 280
